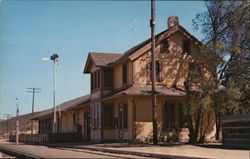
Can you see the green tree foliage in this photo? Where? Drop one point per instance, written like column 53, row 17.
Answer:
column 225, row 26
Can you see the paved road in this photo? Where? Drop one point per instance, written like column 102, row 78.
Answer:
column 47, row 152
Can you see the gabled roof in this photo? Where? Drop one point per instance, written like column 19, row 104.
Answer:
column 158, row 37
column 108, row 59
column 64, row 106
column 101, row 59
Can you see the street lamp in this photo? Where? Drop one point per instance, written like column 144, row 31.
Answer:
column 54, row 58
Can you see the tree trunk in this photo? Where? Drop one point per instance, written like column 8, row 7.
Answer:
column 218, row 125
column 192, row 136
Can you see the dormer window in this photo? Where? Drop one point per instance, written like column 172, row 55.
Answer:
column 164, row 46
column 124, row 73
column 186, row 46
column 95, row 79
column 108, row 77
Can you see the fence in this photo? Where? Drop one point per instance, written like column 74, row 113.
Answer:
column 48, row 138
column 236, row 131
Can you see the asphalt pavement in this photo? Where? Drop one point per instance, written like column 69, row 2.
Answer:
column 38, row 151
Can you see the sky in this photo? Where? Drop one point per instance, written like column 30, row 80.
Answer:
column 33, row 29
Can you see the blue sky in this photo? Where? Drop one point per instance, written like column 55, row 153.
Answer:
column 31, row 30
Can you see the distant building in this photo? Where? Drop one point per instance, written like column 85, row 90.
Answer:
column 119, row 105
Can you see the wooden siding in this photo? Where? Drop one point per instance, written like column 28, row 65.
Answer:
column 174, row 63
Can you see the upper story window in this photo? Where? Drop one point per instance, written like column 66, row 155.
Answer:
column 124, row 73
column 95, row 79
column 108, row 77
column 98, row 78
column 157, row 70
column 186, row 46
column 164, row 46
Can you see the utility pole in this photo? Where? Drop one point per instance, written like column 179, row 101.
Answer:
column 17, row 121
column 154, row 106
column 7, row 126
column 54, row 58
column 34, row 90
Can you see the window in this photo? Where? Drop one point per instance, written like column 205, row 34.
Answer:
column 182, row 116
column 169, row 115
column 40, row 127
column 75, row 118
column 125, row 116
column 108, row 77
column 95, row 79
column 98, row 78
column 91, row 80
column 186, row 46
column 95, row 116
column 108, row 115
column 164, row 46
column 124, row 74
column 157, row 71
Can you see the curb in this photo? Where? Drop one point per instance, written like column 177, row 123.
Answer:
column 144, row 154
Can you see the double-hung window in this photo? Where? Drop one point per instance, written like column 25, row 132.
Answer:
column 157, row 71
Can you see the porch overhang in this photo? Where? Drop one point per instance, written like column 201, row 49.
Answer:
column 142, row 90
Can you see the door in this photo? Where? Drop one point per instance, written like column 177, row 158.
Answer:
column 122, row 120
column 86, row 126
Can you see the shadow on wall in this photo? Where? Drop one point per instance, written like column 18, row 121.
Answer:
column 173, row 66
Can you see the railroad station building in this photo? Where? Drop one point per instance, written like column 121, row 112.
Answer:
column 118, row 107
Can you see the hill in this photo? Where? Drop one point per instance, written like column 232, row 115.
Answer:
column 25, row 124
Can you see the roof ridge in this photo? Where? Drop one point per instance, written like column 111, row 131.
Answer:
column 140, row 45
column 105, row 53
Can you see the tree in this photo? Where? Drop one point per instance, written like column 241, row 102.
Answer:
column 228, row 43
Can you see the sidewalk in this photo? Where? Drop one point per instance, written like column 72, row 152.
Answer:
column 213, row 151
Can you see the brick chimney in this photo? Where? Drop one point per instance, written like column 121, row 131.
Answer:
column 172, row 21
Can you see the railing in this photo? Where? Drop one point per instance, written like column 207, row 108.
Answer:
column 236, row 130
